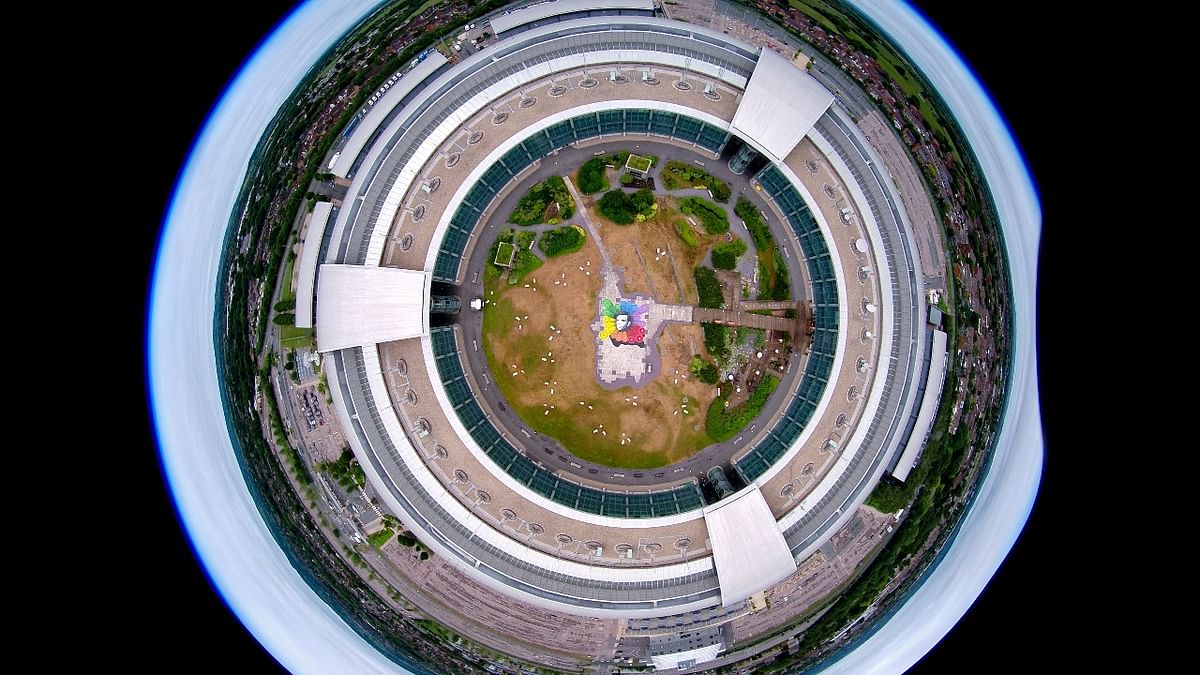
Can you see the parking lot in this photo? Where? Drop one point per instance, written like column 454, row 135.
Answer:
column 313, row 417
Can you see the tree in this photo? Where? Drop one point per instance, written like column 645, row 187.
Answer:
column 725, row 254
column 562, row 241
column 591, row 176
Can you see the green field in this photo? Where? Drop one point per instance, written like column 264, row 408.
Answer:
column 422, row 8
column 812, row 13
column 291, row 337
column 380, row 538
column 285, row 293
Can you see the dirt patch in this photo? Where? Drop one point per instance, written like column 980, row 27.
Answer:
column 665, row 265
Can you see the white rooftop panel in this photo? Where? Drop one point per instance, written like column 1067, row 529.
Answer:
column 687, row 659
column 359, row 306
column 390, row 99
column 748, row 549
column 545, row 10
column 781, row 104
column 306, row 272
column 928, row 411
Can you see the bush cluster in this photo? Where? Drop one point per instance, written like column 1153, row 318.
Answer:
column 704, row 370
column 531, row 210
column 716, row 340
column 679, row 175
column 754, row 222
column 715, row 220
column 726, row 253
column 723, row 423
column 562, row 241
column 346, row 471
column 624, row 207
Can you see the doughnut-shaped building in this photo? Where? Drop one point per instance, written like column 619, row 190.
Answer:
column 426, row 168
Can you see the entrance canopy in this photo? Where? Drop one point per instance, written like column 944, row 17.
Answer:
column 359, row 306
column 749, row 551
column 781, row 104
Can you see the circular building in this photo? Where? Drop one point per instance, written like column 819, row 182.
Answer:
column 386, row 272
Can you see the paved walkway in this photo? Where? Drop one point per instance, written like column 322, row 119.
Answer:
column 731, row 317
column 772, row 305
column 681, row 313
column 582, row 212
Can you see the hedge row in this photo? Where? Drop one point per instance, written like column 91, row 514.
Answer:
column 708, row 288
column 715, row 220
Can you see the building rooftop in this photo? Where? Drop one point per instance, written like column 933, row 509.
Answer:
column 545, row 10
column 359, row 306
column 306, row 269
column 779, row 90
column 749, row 551
column 379, row 112
column 928, row 410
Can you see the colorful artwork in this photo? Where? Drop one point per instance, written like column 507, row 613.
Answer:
column 624, row 322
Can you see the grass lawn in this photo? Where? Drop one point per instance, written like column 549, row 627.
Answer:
column 504, row 253
column 685, row 232
column 638, row 163
column 813, row 14
column 533, row 371
column 286, row 293
column 291, row 337
column 380, row 538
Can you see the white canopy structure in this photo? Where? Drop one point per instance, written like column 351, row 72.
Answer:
column 779, row 91
column 306, row 269
column 359, row 306
column 749, row 551
column 928, row 410
column 687, row 659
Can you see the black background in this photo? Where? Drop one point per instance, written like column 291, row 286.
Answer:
column 182, row 66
